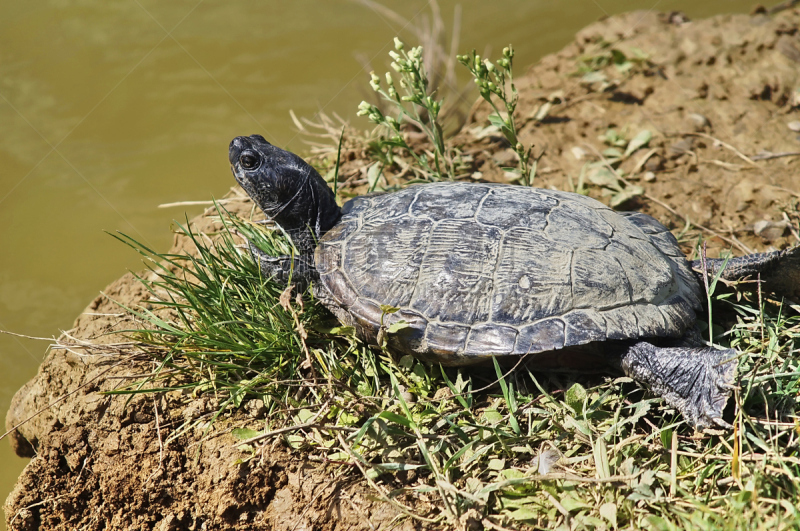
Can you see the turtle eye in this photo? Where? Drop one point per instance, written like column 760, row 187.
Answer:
column 248, row 160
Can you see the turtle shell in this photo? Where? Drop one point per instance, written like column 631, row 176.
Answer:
column 480, row 270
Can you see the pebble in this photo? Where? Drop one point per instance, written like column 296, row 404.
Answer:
column 408, row 397
column 507, row 157
column 770, row 230
column 649, row 176
column 794, row 126
column 699, row 121
column 654, row 163
column 578, row 153
column 255, row 408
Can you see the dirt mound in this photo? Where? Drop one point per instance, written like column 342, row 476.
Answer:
column 100, row 462
column 720, row 99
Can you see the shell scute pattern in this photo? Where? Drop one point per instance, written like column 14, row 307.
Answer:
column 651, row 321
column 547, row 334
column 456, row 274
column 529, row 259
column 491, row 340
column 494, row 270
column 400, row 248
column 446, row 201
column 584, row 326
column 621, row 323
column 446, row 339
column 380, row 208
column 505, row 208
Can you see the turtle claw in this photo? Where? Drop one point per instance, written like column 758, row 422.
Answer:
column 721, row 423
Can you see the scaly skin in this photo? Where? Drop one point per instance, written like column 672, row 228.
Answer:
column 779, row 271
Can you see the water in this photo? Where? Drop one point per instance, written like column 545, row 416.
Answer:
column 108, row 109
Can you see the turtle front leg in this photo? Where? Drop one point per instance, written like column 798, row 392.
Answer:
column 697, row 381
column 284, row 269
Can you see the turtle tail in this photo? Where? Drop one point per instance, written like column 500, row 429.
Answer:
column 779, row 271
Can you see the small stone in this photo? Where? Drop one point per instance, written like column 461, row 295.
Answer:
column 680, row 147
column 507, row 157
column 408, row 397
column 794, row 126
column 770, row 230
column 578, row 153
column 255, row 408
column 654, row 163
column 649, row 177
column 698, row 121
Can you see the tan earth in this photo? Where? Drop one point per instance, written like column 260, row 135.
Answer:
column 721, row 98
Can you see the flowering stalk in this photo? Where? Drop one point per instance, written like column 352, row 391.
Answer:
column 414, row 87
column 492, row 81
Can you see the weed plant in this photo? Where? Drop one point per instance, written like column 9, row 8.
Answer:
column 413, row 105
column 496, row 85
column 417, row 107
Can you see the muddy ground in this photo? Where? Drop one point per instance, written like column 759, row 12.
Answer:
column 721, row 99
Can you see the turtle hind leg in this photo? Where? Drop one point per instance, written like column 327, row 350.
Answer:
column 697, row 381
column 779, row 271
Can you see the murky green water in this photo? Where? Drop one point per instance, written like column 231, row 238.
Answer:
column 108, row 109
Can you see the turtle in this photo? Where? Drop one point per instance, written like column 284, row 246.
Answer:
column 460, row 272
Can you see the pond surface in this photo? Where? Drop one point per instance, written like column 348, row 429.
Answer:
column 109, row 109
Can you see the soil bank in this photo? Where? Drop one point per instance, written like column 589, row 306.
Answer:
column 721, row 99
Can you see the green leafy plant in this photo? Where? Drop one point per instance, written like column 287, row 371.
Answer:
column 496, row 85
column 592, row 67
column 606, row 172
column 413, row 104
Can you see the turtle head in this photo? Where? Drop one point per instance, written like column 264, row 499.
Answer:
column 284, row 186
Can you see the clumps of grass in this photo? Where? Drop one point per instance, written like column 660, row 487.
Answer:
column 214, row 324
column 594, row 67
column 494, row 446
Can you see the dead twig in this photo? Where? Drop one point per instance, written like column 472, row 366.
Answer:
column 200, row 203
column 767, row 155
column 725, row 145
